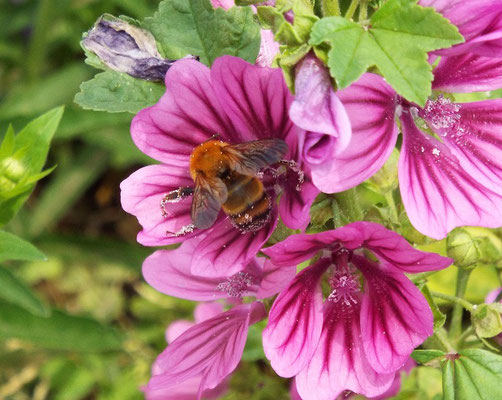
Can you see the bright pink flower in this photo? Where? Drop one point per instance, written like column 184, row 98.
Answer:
column 240, row 102
column 448, row 180
column 168, row 271
column 318, row 110
column 479, row 21
column 200, row 358
column 362, row 333
column 268, row 46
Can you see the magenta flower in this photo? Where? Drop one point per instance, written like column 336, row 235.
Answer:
column 201, row 357
column 240, row 102
column 169, row 273
column 372, row 317
column 187, row 389
column 318, row 110
column 448, row 180
column 479, row 22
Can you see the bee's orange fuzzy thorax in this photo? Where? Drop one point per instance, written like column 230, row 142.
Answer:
column 207, row 158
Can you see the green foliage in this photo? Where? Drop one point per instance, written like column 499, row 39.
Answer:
column 114, row 91
column 439, row 317
column 472, row 374
column 23, row 158
column 396, row 40
column 193, row 27
column 486, row 320
column 59, row 331
column 14, row 248
column 426, row 356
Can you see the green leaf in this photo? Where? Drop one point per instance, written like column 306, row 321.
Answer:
column 472, row 374
column 426, row 356
column 439, row 317
column 14, row 248
column 30, row 149
column 16, row 292
column 60, row 331
column 194, row 27
column 397, row 40
column 117, row 92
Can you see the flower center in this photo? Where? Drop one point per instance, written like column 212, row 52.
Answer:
column 237, row 284
column 440, row 113
column 344, row 283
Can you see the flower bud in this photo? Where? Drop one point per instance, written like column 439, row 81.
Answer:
column 11, row 172
column 486, row 320
column 126, row 48
column 470, row 246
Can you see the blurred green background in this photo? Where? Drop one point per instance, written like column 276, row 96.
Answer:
column 111, row 324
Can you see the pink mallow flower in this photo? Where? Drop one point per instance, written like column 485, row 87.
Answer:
column 450, row 168
column 321, row 114
column 371, row 318
column 479, row 22
column 268, row 46
column 239, row 102
column 200, row 357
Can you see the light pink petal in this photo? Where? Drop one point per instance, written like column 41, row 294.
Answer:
column 370, row 104
column 476, row 140
column 275, row 278
column 205, row 311
column 316, row 107
column 224, row 250
column 437, row 192
column 294, row 324
column 211, row 349
column 256, row 99
column 141, row 195
column 396, row 385
column 188, row 390
column 477, row 20
column 393, row 248
column 188, row 114
column 176, row 328
column 395, row 316
column 339, row 362
column 468, row 73
column 225, row 4
column 268, row 49
column 493, row 295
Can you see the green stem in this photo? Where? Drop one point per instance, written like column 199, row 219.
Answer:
column 457, row 314
column 468, row 332
column 441, row 336
column 454, row 299
column 349, row 204
column 38, row 44
column 422, row 276
column 352, row 9
column 363, row 10
column 389, row 197
column 330, row 8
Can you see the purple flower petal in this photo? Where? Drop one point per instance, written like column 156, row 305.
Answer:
column 268, row 49
column 256, row 99
column 316, row 107
column 475, row 137
column 339, row 362
column 395, row 316
column 205, row 311
column 210, row 350
column 294, row 324
column 224, row 250
column 393, row 248
column 437, row 192
column 188, row 390
column 370, row 104
column 468, row 73
column 188, row 114
column 275, row 278
column 141, row 194
column 176, row 329
column 294, row 205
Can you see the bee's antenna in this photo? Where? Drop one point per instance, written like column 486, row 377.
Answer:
column 215, row 136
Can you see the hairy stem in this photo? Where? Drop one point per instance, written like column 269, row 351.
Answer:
column 363, row 10
column 441, row 336
column 389, row 197
column 458, row 308
column 458, row 301
column 352, row 9
column 330, row 8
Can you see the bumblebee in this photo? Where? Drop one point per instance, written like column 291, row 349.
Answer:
column 225, row 177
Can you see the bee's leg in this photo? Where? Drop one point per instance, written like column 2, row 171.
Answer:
column 175, row 196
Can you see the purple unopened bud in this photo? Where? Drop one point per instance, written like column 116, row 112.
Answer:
column 126, row 48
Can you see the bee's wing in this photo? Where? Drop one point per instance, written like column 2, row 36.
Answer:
column 209, row 195
column 248, row 158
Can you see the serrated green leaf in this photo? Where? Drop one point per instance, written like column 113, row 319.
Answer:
column 472, row 374
column 194, row 27
column 31, row 146
column 426, row 356
column 396, row 41
column 117, row 92
column 16, row 292
column 15, row 248
column 60, row 331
